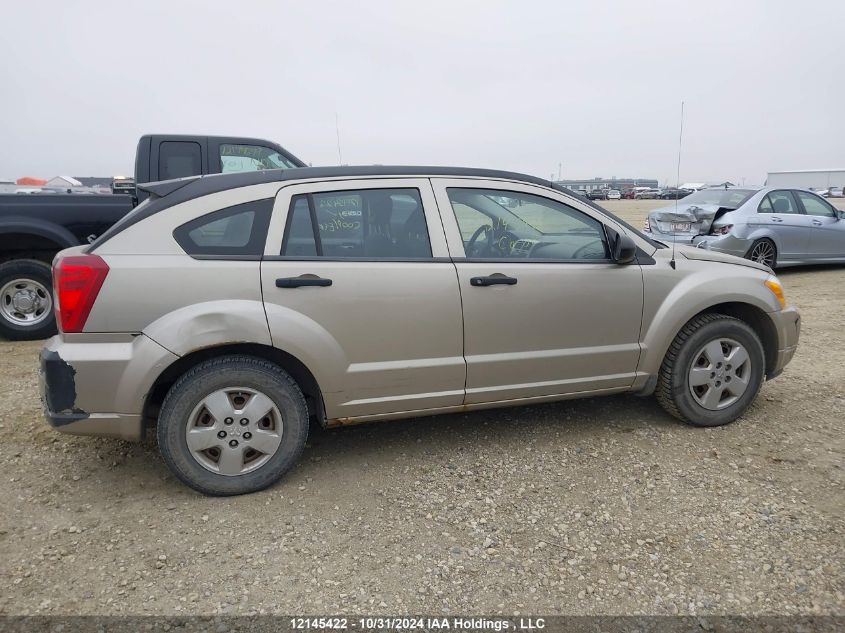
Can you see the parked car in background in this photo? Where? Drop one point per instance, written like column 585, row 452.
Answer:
column 773, row 226
column 597, row 194
column 613, row 194
column 229, row 312
column 583, row 193
column 835, row 192
column 33, row 228
column 628, row 194
column 820, row 192
column 671, row 193
column 646, row 194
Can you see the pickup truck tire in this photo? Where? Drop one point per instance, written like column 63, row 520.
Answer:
column 712, row 371
column 232, row 425
column 26, row 300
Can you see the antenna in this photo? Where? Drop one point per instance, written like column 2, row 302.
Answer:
column 677, row 181
column 337, row 131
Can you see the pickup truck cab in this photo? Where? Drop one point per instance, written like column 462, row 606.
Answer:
column 33, row 228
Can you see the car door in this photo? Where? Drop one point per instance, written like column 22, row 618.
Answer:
column 356, row 278
column 780, row 213
column 826, row 230
column 545, row 310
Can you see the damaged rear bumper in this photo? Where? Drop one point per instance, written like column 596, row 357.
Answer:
column 99, row 387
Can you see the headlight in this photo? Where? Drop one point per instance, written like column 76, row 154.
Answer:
column 775, row 286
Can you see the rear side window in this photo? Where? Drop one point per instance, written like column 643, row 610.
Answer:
column 367, row 223
column 236, row 231
column 780, row 202
column 178, row 159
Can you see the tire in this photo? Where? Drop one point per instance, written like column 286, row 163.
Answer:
column 196, row 394
column 759, row 247
column 688, row 362
column 26, row 300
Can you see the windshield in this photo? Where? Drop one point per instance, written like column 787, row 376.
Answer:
column 726, row 198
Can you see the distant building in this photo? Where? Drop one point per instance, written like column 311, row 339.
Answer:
column 63, row 182
column 807, row 178
column 609, row 183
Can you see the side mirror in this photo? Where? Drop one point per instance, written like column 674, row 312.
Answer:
column 840, row 214
column 622, row 248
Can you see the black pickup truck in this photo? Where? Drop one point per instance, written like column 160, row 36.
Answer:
column 34, row 227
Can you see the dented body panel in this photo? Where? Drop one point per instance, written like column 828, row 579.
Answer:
column 100, row 387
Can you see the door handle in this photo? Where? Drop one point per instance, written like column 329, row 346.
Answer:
column 296, row 282
column 493, row 280
column 776, row 219
column 817, row 222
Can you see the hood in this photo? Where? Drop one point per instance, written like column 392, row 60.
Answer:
column 701, row 254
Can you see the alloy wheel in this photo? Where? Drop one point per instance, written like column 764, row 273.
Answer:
column 763, row 253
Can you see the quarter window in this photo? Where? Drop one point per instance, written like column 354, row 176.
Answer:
column 236, row 231
column 367, row 223
column 234, row 158
column 780, row 202
column 814, row 205
column 515, row 225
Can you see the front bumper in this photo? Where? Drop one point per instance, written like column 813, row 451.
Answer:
column 96, row 386
column 788, row 325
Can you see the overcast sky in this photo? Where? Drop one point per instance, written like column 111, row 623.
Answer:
column 519, row 85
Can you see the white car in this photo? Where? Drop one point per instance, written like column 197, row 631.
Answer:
column 614, row 194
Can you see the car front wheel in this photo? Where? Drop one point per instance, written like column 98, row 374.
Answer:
column 232, row 425
column 712, row 371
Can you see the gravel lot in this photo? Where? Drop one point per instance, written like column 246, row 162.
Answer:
column 596, row 506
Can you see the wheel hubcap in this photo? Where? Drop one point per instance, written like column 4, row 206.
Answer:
column 720, row 373
column 234, row 431
column 25, row 302
column 763, row 253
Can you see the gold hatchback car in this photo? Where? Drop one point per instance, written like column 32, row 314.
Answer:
column 230, row 311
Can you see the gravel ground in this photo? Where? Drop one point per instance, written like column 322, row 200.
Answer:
column 583, row 507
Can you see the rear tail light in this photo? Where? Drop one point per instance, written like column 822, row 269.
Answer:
column 721, row 230
column 77, row 280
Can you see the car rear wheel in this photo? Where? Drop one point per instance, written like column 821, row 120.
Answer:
column 26, row 300
column 764, row 252
column 232, row 425
column 712, row 371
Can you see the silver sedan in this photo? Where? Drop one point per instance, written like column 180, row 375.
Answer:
column 774, row 226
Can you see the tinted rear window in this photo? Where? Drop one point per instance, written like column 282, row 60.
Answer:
column 727, row 198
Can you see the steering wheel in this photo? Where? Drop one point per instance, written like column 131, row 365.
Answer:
column 469, row 249
column 591, row 250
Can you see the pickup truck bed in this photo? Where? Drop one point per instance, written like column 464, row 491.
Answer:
column 61, row 220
